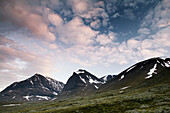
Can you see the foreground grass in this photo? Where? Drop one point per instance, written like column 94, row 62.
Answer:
column 154, row 99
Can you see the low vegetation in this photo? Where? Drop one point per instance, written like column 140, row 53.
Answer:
column 154, row 99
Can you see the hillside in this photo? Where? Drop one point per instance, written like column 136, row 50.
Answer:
column 146, row 73
column 35, row 88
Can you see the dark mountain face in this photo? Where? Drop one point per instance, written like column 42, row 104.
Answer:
column 81, row 83
column 145, row 73
column 107, row 78
column 35, row 88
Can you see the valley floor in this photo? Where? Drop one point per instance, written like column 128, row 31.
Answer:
column 154, row 99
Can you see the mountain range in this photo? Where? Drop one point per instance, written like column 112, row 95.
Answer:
column 38, row 87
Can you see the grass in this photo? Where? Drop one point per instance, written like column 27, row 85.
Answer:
column 155, row 99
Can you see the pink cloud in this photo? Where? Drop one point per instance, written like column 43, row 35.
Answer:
column 21, row 14
column 55, row 19
column 75, row 32
column 16, row 60
column 80, row 6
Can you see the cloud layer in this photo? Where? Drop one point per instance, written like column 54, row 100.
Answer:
column 35, row 35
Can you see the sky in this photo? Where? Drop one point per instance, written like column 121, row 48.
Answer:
column 57, row 37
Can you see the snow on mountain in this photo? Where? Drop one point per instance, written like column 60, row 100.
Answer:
column 122, row 77
column 45, row 87
column 163, row 62
column 82, row 79
column 91, row 80
column 130, row 68
column 80, row 71
column 154, row 69
column 80, row 83
column 27, row 97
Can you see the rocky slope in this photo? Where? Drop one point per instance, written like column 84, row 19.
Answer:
column 37, row 87
column 81, row 83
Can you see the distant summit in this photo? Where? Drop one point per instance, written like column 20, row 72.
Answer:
column 37, row 87
column 107, row 78
column 81, row 83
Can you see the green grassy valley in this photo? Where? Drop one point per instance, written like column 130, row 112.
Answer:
column 154, row 99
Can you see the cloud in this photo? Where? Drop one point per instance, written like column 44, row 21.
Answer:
column 104, row 39
column 75, row 32
column 79, row 6
column 158, row 17
column 133, row 44
column 111, row 6
column 95, row 24
column 92, row 12
column 55, row 19
column 149, row 53
column 144, row 31
column 21, row 14
column 6, row 42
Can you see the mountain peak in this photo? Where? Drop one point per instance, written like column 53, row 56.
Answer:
column 80, row 71
column 37, row 74
column 81, row 83
column 34, row 87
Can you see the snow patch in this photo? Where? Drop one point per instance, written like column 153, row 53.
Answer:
column 82, row 79
column 92, row 81
column 42, row 97
column 122, row 77
column 96, row 87
column 152, row 71
column 163, row 57
column 105, row 78
column 15, row 84
column 53, row 99
column 131, row 68
column 125, row 87
column 162, row 65
column 31, row 82
column 80, row 71
column 12, row 105
column 141, row 67
column 157, row 61
column 10, row 90
column 13, row 97
column 167, row 64
column 55, row 93
column 120, row 91
column 27, row 97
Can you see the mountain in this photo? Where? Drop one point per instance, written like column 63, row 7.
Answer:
column 146, row 73
column 80, row 83
column 34, row 88
column 107, row 78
